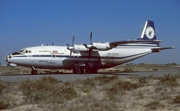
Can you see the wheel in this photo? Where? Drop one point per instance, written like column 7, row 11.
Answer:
column 94, row 70
column 87, row 71
column 74, row 71
column 34, row 72
column 91, row 70
column 81, row 71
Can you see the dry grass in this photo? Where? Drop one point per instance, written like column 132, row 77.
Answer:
column 103, row 92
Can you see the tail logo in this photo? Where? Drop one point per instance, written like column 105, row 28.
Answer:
column 150, row 32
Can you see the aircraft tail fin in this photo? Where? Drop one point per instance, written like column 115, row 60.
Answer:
column 148, row 32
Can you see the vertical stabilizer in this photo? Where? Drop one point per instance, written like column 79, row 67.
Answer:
column 148, row 32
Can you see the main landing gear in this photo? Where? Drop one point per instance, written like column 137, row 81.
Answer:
column 84, row 70
column 34, row 71
column 91, row 70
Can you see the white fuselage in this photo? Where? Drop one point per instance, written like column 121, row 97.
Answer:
column 59, row 57
column 88, row 58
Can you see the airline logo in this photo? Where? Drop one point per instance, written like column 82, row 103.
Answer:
column 150, row 32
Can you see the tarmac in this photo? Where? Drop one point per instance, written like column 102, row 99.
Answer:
column 73, row 77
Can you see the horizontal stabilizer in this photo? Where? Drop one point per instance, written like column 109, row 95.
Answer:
column 161, row 48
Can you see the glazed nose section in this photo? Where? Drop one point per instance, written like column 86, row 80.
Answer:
column 7, row 58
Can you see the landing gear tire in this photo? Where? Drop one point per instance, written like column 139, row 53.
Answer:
column 91, row 70
column 74, row 71
column 34, row 72
column 81, row 71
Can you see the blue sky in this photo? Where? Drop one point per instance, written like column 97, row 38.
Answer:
column 25, row 23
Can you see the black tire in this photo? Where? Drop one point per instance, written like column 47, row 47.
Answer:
column 78, row 72
column 91, row 70
column 82, row 70
column 34, row 72
column 74, row 71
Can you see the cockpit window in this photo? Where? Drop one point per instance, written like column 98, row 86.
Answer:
column 24, row 51
column 21, row 51
column 15, row 53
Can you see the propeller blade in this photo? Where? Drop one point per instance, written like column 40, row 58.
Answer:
column 73, row 40
column 71, row 47
column 70, row 53
column 90, row 37
column 90, row 50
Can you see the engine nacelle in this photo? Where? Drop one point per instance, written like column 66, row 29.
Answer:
column 80, row 47
column 102, row 46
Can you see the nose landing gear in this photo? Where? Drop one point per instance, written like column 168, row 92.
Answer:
column 34, row 71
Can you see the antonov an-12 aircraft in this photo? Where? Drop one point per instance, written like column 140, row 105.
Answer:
column 88, row 58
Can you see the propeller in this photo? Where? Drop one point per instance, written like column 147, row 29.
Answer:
column 71, row 47
column 90, row 46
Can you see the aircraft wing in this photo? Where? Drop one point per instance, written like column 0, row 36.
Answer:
column 116, row 43
column 161, row 48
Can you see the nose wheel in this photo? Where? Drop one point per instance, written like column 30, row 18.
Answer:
column 34, row 71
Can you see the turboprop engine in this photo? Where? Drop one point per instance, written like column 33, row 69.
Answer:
column 101, row 46
column 80, row 47
column 77, row 48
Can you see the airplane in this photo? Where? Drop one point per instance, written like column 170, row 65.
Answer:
column 88, row 58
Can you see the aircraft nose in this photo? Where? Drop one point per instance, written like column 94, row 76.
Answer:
column 7, row 58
